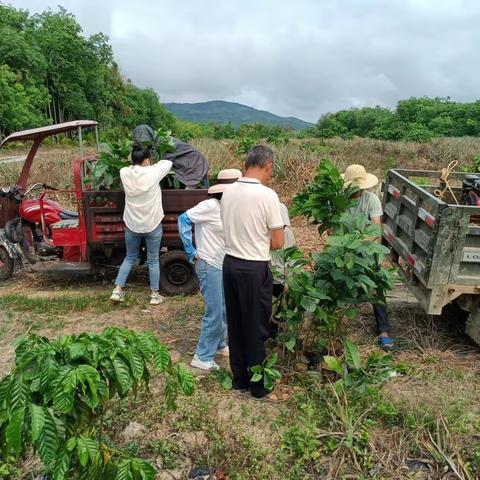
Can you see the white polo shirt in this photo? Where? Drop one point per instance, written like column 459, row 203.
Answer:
column 249, row 211
column 209, row 238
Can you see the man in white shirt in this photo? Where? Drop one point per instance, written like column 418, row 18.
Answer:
column 253, row 226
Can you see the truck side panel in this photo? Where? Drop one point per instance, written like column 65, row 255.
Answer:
column 104, row 214
column 439, row 242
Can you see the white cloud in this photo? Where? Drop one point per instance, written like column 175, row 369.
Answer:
column 298, row 58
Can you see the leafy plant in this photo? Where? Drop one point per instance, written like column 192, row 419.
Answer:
column 327, row 287
column 278, row 138
column 56, row 397
column 223, row 378
column 163, row 142
column 168, row 451
column 475, row 167
column 245, row 144
column 104, row 174
column 348, row 271
column 266, row 371
column 302, row 440
column 325, row 199
column 359, row 373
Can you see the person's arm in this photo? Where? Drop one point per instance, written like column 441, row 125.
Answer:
column 278, row 239
column 375, row 212
column 185, row 230
column 162, row 168
column 275, row 221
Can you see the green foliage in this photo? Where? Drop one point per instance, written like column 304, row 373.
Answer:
column 414, row 119
column 325, row 199
column 302, row 440
column 476, row 164
column 56, row 396
column 223, row 378
column 245, row 144
column 225, row 130
column 359, row 373
column 163, row 142
column 50, row 72
column 168, row 452
column 346, row 273
column 267, row 372
column 105, row 172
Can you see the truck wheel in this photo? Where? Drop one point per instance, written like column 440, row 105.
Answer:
column 6, row 264
column 177, row 275
column 468, row 315
column 472, row 327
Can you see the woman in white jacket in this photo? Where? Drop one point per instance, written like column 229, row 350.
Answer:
column 143, row 217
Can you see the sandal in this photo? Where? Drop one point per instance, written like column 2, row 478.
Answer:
column 387, row 343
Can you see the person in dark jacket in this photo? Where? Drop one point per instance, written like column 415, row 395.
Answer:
column 189, row 164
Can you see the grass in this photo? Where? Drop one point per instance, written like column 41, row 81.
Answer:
column 62, row 304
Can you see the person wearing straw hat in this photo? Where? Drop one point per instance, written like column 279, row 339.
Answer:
column 207, row 254
column 370, row 205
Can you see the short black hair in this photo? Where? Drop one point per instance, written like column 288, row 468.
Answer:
column 259, row 156
column 139, row 153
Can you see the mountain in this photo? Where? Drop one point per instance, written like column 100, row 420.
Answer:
column 219, row 111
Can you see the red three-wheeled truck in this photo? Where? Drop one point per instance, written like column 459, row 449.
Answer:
column 36, row 230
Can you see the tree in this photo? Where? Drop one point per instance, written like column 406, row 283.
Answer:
column 52, row 73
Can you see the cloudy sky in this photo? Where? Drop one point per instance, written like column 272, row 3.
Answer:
column 295, row 57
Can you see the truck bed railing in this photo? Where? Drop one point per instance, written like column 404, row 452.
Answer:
column 438, row 240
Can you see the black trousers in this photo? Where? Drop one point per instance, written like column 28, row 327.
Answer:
column 248, row 301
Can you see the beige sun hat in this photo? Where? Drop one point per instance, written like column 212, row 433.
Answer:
column 224, row 179
column 358, row 176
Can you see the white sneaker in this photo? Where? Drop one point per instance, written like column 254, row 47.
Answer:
column 156, row 298
column 197, row 363
column 118, row 296
column 224, row 352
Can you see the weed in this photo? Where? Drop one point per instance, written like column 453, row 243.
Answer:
column 168, row 451
column 267, row 372
column 302, row 441
column 223, row 378
column 133, row 448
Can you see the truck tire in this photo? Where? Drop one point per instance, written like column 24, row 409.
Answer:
column 177, row 275
column 465, row 311
column 472, row 326
column 6, row 265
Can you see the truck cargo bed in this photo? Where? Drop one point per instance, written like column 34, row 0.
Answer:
column 437, row 240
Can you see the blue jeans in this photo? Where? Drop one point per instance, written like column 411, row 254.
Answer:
column 132, row 242
column 214, row 327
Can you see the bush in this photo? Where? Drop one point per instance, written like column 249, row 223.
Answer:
column 56, row 397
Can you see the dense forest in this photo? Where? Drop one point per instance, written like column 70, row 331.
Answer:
column 414, row 119
column 50, row 72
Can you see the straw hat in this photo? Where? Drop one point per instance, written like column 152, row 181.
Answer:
column 357, row 176
column 224, row 179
